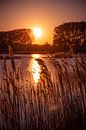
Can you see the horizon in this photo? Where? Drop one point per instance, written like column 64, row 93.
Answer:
column 42, row 43
column 44, row 14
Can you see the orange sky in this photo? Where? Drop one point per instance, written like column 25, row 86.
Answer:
column 45, row 14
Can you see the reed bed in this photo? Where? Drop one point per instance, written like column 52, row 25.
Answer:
column 45, row 105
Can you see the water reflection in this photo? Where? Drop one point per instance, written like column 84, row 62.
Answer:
column 36, row 56
column 36, row 70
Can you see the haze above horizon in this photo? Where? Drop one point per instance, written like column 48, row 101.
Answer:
column 45, row 14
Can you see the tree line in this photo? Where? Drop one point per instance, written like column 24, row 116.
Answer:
column 68, row 37
column 16, row 39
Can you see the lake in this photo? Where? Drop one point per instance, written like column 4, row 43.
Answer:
column 31, row 68
column 41, row 92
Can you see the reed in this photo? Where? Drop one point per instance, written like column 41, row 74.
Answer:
column 48, row 105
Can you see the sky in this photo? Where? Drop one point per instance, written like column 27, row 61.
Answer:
column 46, row 14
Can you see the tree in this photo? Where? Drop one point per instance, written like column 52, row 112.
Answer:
column 70, row 36
column 16, row 38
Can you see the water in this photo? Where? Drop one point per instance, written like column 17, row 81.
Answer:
column 29, row 65
column 43, row 93
column 31, row 68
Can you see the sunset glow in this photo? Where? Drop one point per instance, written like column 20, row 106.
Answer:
column 36, row 56
column 42, row 65
column 35, row 71
column 44, row 14
column 37, row 32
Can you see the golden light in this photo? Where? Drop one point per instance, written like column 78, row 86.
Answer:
column 37, row 32
column 36, row 55
column 35, row 71
column 35, row 68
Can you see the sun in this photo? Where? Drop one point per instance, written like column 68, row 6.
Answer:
column 37, row 32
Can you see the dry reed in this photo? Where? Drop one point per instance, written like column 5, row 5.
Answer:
column 49, row 105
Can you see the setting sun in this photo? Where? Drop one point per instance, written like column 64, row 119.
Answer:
column 37, row 32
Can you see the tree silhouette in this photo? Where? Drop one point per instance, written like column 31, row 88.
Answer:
column 16, row 38
column 70, row 36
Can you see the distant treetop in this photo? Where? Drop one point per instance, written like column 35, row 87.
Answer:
column 70, row 36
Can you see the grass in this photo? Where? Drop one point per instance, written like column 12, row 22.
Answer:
column 48, row 105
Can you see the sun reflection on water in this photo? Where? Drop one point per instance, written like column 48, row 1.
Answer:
column 36, row 55
column 36, row 70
